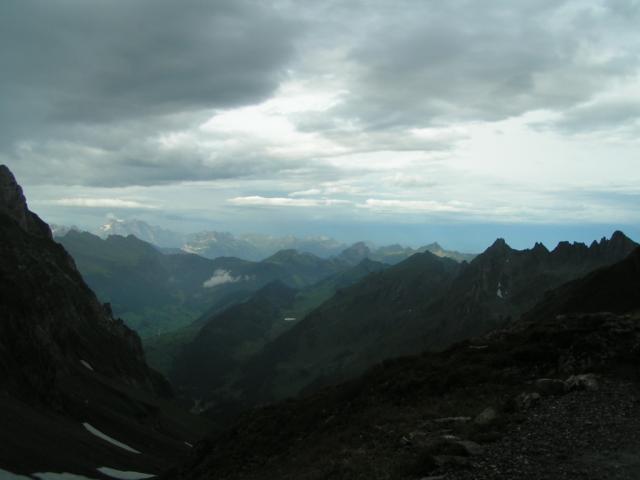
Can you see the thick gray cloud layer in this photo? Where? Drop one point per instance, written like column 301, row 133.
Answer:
column 78, row 75
column 416, row 63
column 110, row 60
column 369, row 105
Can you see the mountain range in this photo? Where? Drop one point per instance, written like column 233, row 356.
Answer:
column 255, row 247
column 515, row 364
column 425, row 302
column 156, row 292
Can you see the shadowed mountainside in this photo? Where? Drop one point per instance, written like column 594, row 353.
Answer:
column 157, row 293
column 555, row 395
column 425, row 302
column 226, row 341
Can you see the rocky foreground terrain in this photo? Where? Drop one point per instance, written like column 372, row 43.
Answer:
column 555, row 395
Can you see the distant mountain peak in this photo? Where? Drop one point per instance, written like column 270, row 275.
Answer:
column 14, row 204
column 433, row 246
column 290, row 256
column 285, row 254
column 619, row 238
column 355, row 253
column 539, row 247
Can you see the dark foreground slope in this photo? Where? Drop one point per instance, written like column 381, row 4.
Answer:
column 65, row 361
column 557, row 395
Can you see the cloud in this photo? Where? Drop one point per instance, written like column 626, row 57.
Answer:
column 220, row 277
column 423, row 206
column 257, row 200
column 113, row 60
column 429, row 63
column 608, row 115
column 273, row 112
column 95, row 87
column 408, row 180
column 101, row 203
column 305, row 193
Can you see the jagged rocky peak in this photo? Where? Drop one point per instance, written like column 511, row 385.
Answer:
column 499, row 247
column 615, row 248
column 14, row 204
column 618, row 242
column 540, row 248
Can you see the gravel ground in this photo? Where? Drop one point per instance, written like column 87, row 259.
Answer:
column 580, row 435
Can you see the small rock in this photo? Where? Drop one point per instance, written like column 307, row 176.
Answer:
column 585, row 381
column 550, row 386
column 453, row 461
column 452, row 420
column 487, row 416
column 417, row 434
column 525, row 400
column 448, row 447
column 472, row 448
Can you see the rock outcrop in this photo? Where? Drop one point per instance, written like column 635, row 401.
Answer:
column 14, row 205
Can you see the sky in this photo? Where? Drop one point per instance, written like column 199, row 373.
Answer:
column 405, row 121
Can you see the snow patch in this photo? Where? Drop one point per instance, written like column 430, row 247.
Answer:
column 5, row 475
column 107, row 438
column 60, row 476
column 499, row 291
column 289, row 319
column 122, row 475
column 86, row 364
column 188, row 444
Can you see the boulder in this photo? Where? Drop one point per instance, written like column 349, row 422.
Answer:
column 526, row 400
column 472, row 448
column 587, row 381
column 550, row 386
column 486, row 417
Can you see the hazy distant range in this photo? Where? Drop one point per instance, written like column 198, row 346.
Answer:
column 214, row 244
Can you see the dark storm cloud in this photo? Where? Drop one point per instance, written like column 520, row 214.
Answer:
column 77, row 61
column 144, row 163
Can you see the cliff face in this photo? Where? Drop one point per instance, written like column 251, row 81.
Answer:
column 66, row 362
column 51, row 321
column 14, row 205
